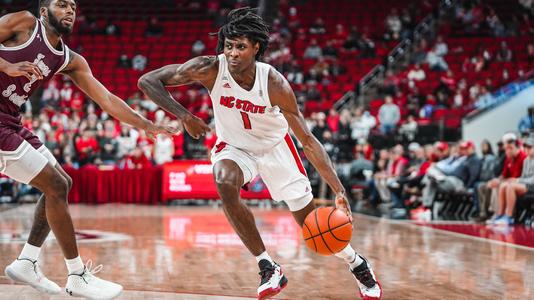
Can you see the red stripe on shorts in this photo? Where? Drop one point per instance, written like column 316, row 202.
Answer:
column 293, row 150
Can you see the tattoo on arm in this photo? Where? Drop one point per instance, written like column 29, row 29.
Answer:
column 153, row 84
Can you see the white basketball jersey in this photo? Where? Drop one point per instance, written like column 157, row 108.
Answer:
column 246, row 119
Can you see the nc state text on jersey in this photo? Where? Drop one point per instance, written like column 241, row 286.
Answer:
column 243, row 105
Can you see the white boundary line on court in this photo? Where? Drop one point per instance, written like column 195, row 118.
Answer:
column 451, row 233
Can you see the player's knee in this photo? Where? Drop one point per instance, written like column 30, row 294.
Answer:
column 57, row 188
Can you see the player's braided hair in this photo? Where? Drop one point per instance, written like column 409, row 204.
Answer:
column 245, row 22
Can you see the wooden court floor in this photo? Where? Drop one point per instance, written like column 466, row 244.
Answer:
column 192, row 253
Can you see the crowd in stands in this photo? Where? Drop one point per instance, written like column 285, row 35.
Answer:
column 406, row 178
column 474, row 53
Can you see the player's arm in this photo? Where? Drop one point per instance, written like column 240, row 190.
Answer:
column 79, row 71
column 282, row 95
column 10, row 25
column 202, row 69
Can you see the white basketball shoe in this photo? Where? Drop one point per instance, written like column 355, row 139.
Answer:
column 370, row 288
column 89, row 286
column 27, row 271
column 272, row 279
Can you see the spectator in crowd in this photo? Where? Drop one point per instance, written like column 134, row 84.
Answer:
column 136, row 160
column 351, row 42
column 495, row 25
column 448, row 159
column 366, row 46
column 295, row 74
column 66, row 94
column 124, row 61
column 126, row 140
column 412, row 184
column 154, row 28
column 487, row 171
column 388, row 177
column 108, row 145
column 139, row 62
column 198, row 48
column 87, row 147
column 427, row 110
column 396, row 188
column 526, row 124
column 504, row 53
column 340, row 34
column 416, row 74
column 361, row 124
column 112, row 29
column 419, row 54
column 513, row 188
column 313, row 94
column 50, row 95
column 318, row 27
column 329, row 145
column 408, row 129
column 333, row 120
column 457, row 179
column 512, row 168
column 163, row 149
column 344, row 142
column 393, row 26
column 360, row 170
column 329, row 50
column 313, row 51
column 435, row 59
column 388, row 116
column 441, row 48
column 320, row 126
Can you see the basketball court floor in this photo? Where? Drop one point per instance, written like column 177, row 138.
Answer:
column 161, row 252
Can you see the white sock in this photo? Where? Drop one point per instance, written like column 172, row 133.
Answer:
column 350, row 256
column 266, row 256
column 75, row 265
column 30, row 252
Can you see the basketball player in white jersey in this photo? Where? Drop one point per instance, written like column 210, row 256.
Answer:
column 254, row 108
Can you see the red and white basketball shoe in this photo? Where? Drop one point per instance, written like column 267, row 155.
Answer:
column 370, row 288
column 272, row 279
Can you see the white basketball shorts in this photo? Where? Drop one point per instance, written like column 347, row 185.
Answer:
column 280, row 169
column 25, row 162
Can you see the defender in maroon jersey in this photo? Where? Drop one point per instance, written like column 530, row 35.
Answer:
column 31, row 52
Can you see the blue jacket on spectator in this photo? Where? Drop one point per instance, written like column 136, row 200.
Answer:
column 468, row 171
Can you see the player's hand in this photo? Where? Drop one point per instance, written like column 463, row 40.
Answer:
column 195, row 127
column 152, row 130
column 342, row 203
column 25, row 68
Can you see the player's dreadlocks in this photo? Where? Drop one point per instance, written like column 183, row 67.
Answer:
column 244, row 22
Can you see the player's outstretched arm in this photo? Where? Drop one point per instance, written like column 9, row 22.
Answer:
column 10, row 25
column 80, row 73
column 202, row 69
column 282, row 95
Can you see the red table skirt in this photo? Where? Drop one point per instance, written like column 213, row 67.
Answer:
column 91, row 185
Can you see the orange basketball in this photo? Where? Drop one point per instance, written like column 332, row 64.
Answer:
column 327, row 230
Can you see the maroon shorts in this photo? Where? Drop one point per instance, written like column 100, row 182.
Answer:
column 12, row 133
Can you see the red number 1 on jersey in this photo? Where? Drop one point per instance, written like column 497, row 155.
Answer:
column 246, row 120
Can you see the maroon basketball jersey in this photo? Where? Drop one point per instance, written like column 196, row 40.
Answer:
column 14, row 91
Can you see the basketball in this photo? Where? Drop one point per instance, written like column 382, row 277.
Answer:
column 327, row 230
